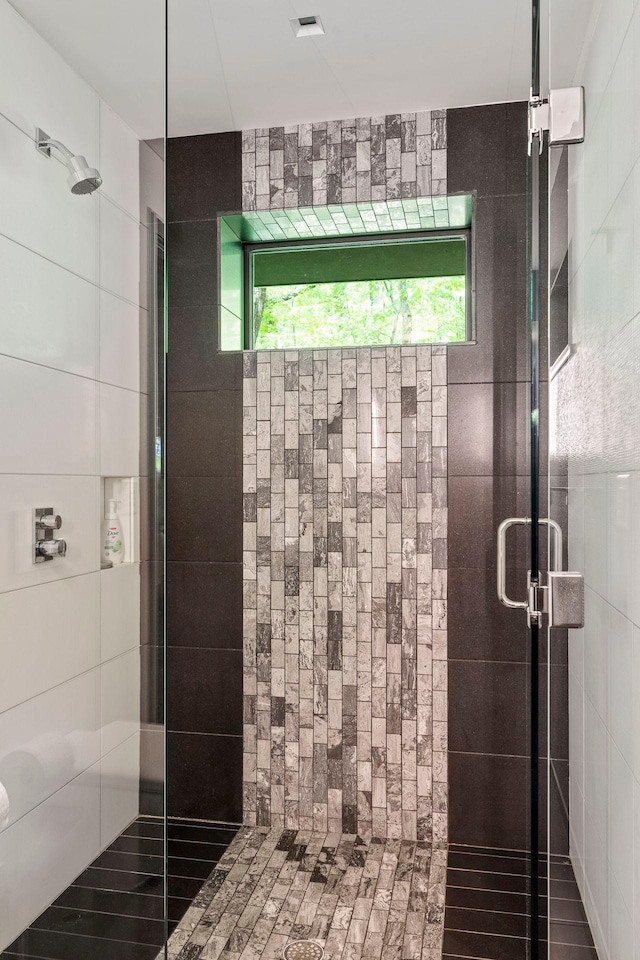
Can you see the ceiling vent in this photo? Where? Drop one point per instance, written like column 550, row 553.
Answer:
column 307, row 26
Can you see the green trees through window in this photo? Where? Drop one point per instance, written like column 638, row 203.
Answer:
column 360, row 313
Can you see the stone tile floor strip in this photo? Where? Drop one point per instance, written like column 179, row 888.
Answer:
column 358, row 897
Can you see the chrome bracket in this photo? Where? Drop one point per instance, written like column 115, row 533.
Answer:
column 42, row 142
column 538, row 121
column 562, row 115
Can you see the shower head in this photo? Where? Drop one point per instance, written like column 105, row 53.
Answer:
column 82, row 178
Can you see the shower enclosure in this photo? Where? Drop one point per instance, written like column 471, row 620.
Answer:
column 277, row 697
column 82, row 827
column 594, row 445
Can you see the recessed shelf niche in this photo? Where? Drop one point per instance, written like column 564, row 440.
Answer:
column 126, row 491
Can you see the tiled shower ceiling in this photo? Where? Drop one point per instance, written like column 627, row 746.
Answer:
column 352, row 219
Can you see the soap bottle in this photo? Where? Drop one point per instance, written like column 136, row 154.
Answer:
column 112, row 537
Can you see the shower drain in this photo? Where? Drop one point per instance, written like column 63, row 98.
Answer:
column 303, row 950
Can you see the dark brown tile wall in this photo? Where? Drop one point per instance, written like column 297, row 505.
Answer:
column 487, row 467
column 488, row 481
column 204, row 470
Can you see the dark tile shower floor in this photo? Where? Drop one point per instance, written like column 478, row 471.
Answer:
column 114, row 909
column 487, row 906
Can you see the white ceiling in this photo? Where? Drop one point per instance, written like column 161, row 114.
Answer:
column 235, row 64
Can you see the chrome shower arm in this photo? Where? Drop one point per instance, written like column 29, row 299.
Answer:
column 45, row 143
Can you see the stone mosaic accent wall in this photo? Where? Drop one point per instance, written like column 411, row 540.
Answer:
column 345, row 590
column 345, row 527
column 344, row 161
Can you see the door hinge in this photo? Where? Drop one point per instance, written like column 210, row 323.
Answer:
column 562, row 600
column 561, row 115
column 538, row 120
column 566, row 599
column 536, row 601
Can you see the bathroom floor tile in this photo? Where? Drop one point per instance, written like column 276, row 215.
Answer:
column 356, row 896
column 104, row 925
column 129, row 863
column 487, row 906
column 46, row 945
column 111, row 901
column 115, row 908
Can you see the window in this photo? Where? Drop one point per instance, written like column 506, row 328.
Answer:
column 354, row 274
column 343, row 293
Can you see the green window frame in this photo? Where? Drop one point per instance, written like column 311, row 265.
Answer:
column 386, row 257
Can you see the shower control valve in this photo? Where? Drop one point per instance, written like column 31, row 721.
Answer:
column 51, row 521
column 46, row 547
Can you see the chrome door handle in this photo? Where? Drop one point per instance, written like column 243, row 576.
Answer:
column 557, row 542
column 562, row 599
column 502, row 557
column 502, row 562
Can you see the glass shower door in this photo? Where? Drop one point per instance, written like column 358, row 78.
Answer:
column 537, row 155
column 83, row 859
column 529, row 533
column 591, row 686
column 556, row 919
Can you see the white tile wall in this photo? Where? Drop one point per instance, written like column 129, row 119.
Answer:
column 44, row 851
column 69, row 382
column 635, row 174
column 600, row 386
column 623, row 488
column 51, row 427
column 596, row 652
column 119, row 250
column 620, row 633
column 119, row 155
column 635, row 713
column 46, row 742
column 39, row 211
column 621, row 826
column 73, row 636
column 119, row 609
column 48, row 315
column 120, row 774
column 77, row 500
column 622, row 935
column 119, row 431
column 635, row 840
column 38, row 89
column 120, row 699
column 119, row 342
